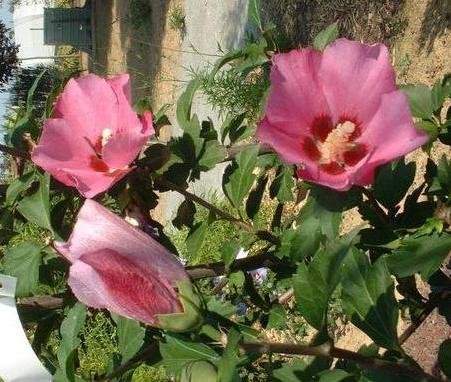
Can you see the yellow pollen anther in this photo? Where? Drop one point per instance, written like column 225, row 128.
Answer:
column 337, row 143
column 106, row 135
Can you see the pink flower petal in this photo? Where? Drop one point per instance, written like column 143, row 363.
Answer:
column 127, row 289
column 89, row 105
column 295, row 96
column 90, row 182
column 354, row 76
column 97, row 228
column 390, row 143
column 118, row 267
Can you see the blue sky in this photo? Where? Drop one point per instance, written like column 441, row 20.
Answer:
column 6, row 17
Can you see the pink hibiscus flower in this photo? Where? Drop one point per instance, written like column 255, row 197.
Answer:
column 337, row 114
column 94, row 134
column 116, row 266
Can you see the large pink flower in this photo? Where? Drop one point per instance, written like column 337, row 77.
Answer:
column 94, row 134
column 116, row 266
column 337, row 114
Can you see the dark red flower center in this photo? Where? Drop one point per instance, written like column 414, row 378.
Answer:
column 334, row 147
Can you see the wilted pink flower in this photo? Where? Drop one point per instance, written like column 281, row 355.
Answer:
column 117, row 267
column 337, row 114
column 94, row 134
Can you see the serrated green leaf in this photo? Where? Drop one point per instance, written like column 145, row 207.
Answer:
column 18, row 186
column 335, row 375
column 130, row 336
column 277, row 317
column 177, row 352
column 185, row 214
column 241, row 178
column 419, row 254
column 283, row 184
column 369, row 300
column 229, row 251
column 36, row 208
column 212, row 154
column 227, row 366
column 23, row 261
column 326, row 36
column 317, row 215
column 196, row 237
column 420, row 100
column 184, row 103
column 314, row 283
column 298, row 243
column 301, row 370
column 70, row 328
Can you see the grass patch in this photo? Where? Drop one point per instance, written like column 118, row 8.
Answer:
column 140, row 13
column 177, row 19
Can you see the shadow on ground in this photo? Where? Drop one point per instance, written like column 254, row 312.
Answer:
column 128, row 39
column 366, row 20
column 437, row 18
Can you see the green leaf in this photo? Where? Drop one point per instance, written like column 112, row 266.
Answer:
column 185, row 214
column 419, row 254
column 196, row 237
column 232, row 123
column 18, row 186
column 23, row 261
column 369, row 300
column 314, row 283
column 393, row 181
column 301, row 370
column 130, row 336
column 255, row 197
column 177, row 352
column 277, row 317
column 229, row 251
column 199, row 371
column 236, row 279
column 254, row 11
column 430, row 128
column 184, row 103
column 420, row 100
column 227, row 366
column 318, row 215
column 70, row 328
column 301, row 242
column 326, row 36
column 241, row 178
column 444, row 357
column 335, row 375
column 283, row 184
column 212, row 154
column 36, row 208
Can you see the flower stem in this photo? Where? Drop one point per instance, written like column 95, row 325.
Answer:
column 330, row 351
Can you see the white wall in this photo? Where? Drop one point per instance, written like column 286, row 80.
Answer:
column 28, row 19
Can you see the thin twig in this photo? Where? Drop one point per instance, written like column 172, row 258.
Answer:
column 262, row 234
column 329, row 351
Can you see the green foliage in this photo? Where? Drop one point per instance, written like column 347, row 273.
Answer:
column 130, row 337
column 444, row 357
column 23, row 261
column 368, row 297
column 177, row 19
column 326, row 36
column 314, row 283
